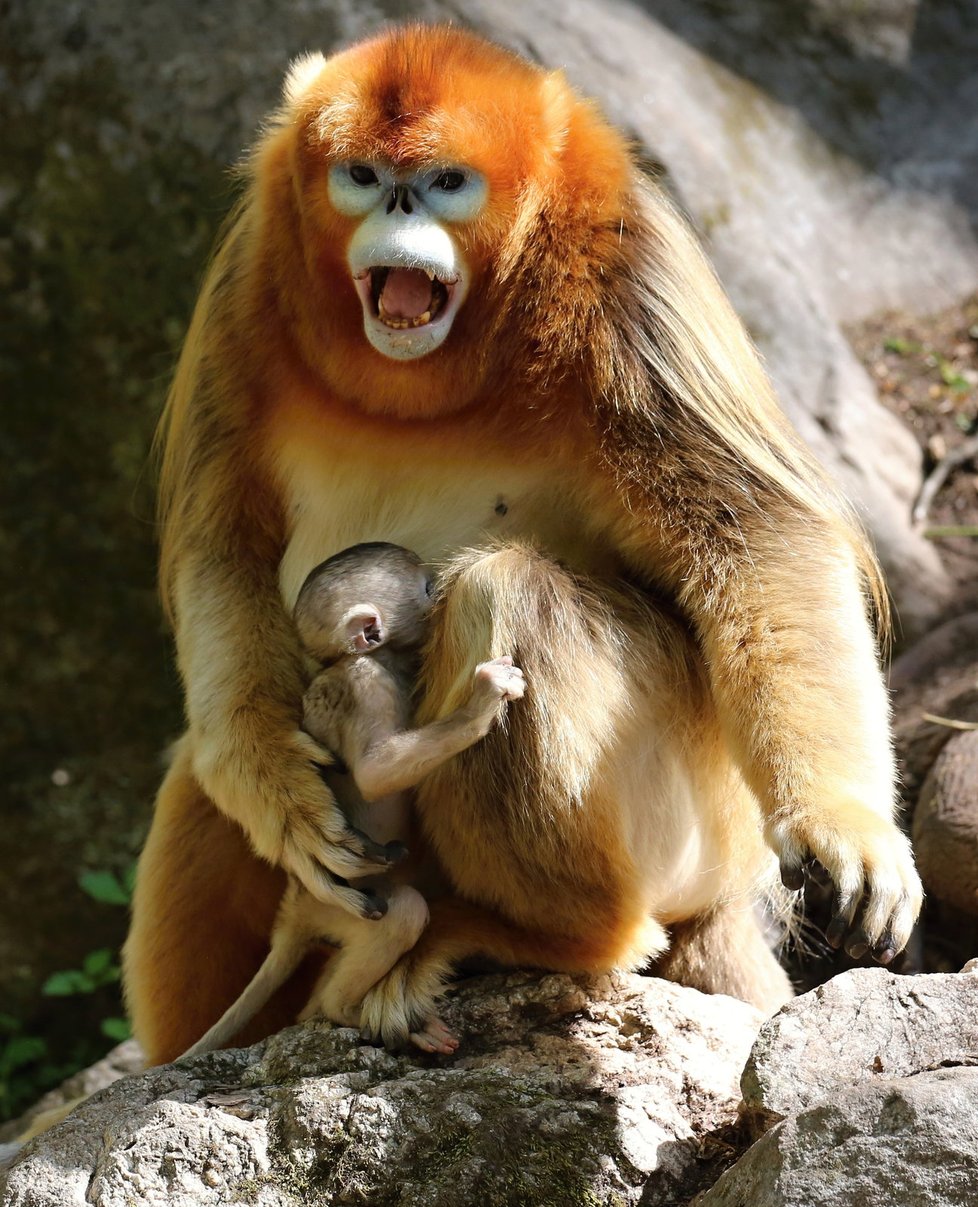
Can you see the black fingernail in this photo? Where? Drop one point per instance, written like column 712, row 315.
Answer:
column 374, row 907
column 857, row 948
column 368, row 848
column 836, row 932
column 396, row 851
column 792, row 877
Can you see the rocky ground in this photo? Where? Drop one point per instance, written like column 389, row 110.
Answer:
column 926, row 372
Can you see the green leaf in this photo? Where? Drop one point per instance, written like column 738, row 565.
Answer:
column 98, row 962
column 22, row 1050
column 9, row 1024
column 903, row 347
column 66, row 984
column 116, row 1028
column 104, row 887
column 951, row 530
column 129, row 878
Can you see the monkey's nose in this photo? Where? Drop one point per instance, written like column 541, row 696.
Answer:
column 400, row 196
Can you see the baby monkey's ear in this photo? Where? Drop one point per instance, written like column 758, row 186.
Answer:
column 364, row 628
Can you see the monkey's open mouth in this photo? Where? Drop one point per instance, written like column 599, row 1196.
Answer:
column 403, row 298
column 408, row 309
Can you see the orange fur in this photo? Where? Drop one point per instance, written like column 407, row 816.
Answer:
column 596, row 400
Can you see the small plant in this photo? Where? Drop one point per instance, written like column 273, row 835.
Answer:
column 902, row 347
column 26, row 1067
column 99, row 967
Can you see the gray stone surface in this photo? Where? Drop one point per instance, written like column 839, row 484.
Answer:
column 862, row 1026
column 564, row 1091
column 945, row 824
column 895, row 1142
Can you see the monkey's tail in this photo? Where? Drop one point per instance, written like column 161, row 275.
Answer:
column 288, row 951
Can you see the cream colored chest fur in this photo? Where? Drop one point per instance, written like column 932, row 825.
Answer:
column 434, row 509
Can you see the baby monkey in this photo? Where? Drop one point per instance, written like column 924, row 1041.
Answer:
column 362, row 615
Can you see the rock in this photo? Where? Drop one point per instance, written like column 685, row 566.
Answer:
column 945, row 825
column 870, row 1087
column 935, row 677
column 951, row 644
column 622, row 1090
column 124, row 1059
column 860, row 1027
column 911, row 1141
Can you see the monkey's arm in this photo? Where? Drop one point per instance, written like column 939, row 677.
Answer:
column 242, row 671
column 238, row 654
column 706, row 491
column 776, row 601
column 392, row 762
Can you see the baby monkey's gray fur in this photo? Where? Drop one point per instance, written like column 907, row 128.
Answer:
column 362, row 615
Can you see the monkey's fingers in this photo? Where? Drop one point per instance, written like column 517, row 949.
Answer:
column 325, row 871
column 327, row 887
column 877, row 890
column 384, row 854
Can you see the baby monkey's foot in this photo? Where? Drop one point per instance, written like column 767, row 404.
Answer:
column 433, row 1036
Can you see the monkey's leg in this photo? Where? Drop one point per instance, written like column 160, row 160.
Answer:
column 203, row 909
column 368, row 950
column 725, row 951
column 401, row 1006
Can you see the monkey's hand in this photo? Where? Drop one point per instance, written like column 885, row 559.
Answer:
column 292, row 819
column 877, row 890
column 494, row 684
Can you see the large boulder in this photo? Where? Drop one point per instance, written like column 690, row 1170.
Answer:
column 911, row 1141
column 621, row 1090
column 859, row 1027
column 870, row 1091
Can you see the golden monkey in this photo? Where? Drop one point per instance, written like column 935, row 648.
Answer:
column 450, row 313
column 361, row 615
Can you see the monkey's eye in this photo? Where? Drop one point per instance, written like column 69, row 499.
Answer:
column 429, row 586
column 363, row 175
column 449, row 181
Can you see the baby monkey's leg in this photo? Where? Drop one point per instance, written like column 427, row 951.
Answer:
column 368, row 950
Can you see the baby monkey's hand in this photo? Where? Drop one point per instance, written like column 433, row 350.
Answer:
column 495, row 684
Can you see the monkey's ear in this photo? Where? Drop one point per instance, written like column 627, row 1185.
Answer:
column 302, row 71
column 364, row 628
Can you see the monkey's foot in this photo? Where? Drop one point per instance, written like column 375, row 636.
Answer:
column 400, row 1008
column 434, row 1036
column 877, row 889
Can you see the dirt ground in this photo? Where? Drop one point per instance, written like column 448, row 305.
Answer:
column 926, row 371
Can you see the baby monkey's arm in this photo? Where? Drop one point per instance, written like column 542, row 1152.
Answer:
column 396, row 761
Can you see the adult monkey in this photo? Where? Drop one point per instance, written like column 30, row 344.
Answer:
column 449, row 311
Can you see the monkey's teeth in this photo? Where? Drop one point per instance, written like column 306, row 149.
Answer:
column 399, row 323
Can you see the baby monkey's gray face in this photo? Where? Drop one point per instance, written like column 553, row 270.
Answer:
column 362, row 598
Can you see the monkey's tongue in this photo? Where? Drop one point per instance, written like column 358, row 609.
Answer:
column 407, row 294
